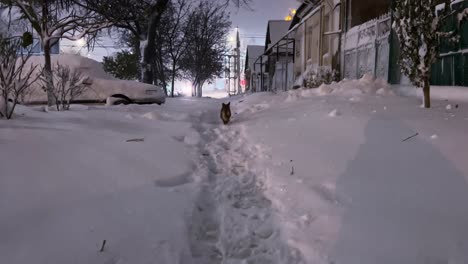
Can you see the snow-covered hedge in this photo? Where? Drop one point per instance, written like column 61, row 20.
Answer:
column 322, row 75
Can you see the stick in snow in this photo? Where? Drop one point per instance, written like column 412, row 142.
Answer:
column 103, row 245
column 136, row 140
column 408, row 138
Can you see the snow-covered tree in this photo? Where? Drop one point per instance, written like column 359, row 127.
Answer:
column 207, row 31
column 142, row 18
column 416, row 26
column 139, row 17
column 122, row 65
column 15, row 76
column 53, row 20
column 419, row 30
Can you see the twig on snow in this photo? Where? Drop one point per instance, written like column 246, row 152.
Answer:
column 103, row 245
column 136, row 140
column 408, row 138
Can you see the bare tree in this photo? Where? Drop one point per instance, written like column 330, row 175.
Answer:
column 53, row 20
column 142, row 18
column 207, row 31
column 68, row 84
column 176, row 37
column 15, row 77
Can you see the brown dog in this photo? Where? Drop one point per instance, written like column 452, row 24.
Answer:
column 226, row 113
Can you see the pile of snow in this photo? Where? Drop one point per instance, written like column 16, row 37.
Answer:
column 334, row 113
column 366, row 85
column 73, row 180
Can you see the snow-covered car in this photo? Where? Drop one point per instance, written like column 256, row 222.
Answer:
column 104, row 88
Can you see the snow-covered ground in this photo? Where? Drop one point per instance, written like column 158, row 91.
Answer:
column 348, row 173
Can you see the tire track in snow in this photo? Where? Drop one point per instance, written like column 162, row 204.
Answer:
column 233, row 221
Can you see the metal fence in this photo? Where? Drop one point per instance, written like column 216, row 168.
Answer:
column 366, row 49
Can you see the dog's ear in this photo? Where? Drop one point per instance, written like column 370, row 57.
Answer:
column 223, row 105
column 228, row 104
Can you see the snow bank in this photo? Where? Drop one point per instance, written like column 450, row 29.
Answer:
column 71, row 180
column 366, row 85
column 334, row 113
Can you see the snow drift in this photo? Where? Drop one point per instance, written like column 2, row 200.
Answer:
column 366, row 85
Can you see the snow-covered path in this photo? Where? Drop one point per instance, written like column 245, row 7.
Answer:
column 233, row 218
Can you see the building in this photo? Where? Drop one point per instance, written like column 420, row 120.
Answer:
column 316, row 29
column 18, row 28
column 252, row 73
column 370, row 46
column 277, row 54
column 350, row 38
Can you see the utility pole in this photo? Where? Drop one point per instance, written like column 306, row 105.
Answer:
column 238, row 73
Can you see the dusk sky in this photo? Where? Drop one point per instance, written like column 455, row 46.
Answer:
column 254, row 23
column 252, row 27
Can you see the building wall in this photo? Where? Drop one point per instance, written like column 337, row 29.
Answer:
column 331, row 20
column 299, row 57
column 312, row 40
column 318, row 38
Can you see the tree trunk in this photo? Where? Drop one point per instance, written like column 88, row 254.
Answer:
column 48, row 73
column 200, row 90
column 149, row 51
column 427, row 94
column 137, row 50
column 164, row 84
column 173, row 81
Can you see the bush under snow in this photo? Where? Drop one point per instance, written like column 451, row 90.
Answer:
column 366, row 85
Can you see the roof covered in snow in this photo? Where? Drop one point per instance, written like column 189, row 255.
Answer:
column 304, row 9
column 253, row 52
column 275, row 31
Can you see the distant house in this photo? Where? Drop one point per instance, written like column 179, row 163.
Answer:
column 17, row 30
column 279, row 54
column 252, row 73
